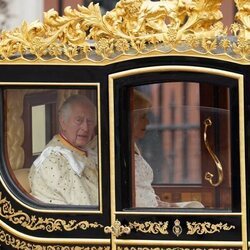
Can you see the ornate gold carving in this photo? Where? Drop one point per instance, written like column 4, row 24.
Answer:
column 241, row 28
column 117, row 229
column 132, row 27
column 207, row 228
column 33, row 223
column 177, row 229
column 15, row 243
column 150, row 227
column 209, row 176
column 243, row 19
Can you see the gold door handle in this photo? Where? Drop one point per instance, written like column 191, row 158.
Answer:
column 209, row 176
column 117, row 229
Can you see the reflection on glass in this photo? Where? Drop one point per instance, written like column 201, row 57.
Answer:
column 173, row 165
column 38, row 128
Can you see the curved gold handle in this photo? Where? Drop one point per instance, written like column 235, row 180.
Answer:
column 117, row 229
column 209, row 176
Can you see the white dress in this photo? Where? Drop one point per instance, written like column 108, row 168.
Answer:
column 63, row 174
column 145, row 194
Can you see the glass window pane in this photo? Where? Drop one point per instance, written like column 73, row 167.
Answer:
column 181, row 146
column 52, row 144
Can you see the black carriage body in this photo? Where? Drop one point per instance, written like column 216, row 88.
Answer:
column 20, row 209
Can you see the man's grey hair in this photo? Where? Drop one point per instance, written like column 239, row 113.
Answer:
column 65, row 109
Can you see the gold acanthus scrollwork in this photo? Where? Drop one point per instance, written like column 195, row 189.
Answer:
column 150, row 227
column 16, row 243
column 209, row 176
column 207, row 228
column 242, row 27
column 133, row 26
column 33, row 223
column 117, row 229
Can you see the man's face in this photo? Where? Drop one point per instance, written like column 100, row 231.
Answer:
column 78, row 128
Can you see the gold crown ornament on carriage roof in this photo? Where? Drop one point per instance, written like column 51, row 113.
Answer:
column 132, row 28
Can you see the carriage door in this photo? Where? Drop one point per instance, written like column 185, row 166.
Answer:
column 178, row 138
column 29, row 118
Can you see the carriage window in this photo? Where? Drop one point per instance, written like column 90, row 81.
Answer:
column 180, row 144
column 52, row 144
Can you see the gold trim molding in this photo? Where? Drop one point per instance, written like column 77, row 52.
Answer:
column 117, row 229
column 150, row 227
column 33, row 223
column 161, row 228
column 207, row 228
column 174, row 248
column 132, row 28
column 16, row 243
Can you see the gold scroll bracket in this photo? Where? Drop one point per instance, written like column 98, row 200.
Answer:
column 117, row 229
column 209, row 176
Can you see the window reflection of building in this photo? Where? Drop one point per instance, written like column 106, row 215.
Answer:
column 174, row 144
column 180, row 102
column 174, row 131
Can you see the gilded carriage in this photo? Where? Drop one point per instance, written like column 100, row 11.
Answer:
column 196, row 72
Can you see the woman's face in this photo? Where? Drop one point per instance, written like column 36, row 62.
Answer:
column 140, row 123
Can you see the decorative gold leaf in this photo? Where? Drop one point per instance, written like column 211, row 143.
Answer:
column 122, row 45
column 16, row 243
column 150, row 227
column 132, row 25
column 225, row 44
column 207, row 228
column 33, row 223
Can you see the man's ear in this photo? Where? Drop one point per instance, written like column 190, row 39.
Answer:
column 62, row 123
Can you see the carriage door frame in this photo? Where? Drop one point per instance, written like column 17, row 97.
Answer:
column 117, row 228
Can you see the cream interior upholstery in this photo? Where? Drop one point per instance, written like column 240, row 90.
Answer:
column 22, row 177
column 15, row 123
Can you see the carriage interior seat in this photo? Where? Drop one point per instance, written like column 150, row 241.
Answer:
column 22, row 177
